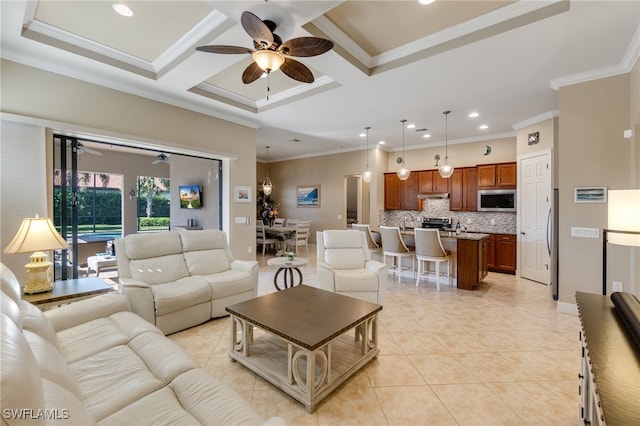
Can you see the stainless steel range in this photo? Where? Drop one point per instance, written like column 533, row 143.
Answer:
column 442, row 223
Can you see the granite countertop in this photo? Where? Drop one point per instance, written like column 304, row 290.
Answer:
column 476, row 236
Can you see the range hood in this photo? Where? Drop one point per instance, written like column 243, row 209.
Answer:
column 434, row 195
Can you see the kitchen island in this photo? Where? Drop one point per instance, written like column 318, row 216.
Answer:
column 468, row 255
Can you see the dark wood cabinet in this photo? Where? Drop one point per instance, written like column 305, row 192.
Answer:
column 472, row 262
column 493, row 176
column 440, row 184
column 501, row 253
column 463, row 190
column 399, row 194
column 430, row 182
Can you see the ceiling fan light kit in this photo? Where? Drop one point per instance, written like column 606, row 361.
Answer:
column 446, row 170
column 403, row 173
column 270, row 53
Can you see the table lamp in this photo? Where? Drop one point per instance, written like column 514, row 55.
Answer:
column 37, row 234
column 623, row 226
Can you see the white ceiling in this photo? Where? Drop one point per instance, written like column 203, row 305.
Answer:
column 392, row 60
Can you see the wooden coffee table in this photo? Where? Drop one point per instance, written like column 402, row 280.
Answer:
column 68, row 291
column 302, row 343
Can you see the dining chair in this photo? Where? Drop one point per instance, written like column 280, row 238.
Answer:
column 394, row 247
column 364, row 227
column 291, row 223
column 300, row 237
column 279, row 221
column 429, row 249
column 262, row 239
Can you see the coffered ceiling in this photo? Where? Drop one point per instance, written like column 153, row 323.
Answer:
column 392, row 60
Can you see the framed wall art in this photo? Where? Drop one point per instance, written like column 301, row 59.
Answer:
column 242, row 194
column 308, row 196
column 591, row 194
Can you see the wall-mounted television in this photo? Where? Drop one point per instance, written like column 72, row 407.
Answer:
column 190, row 196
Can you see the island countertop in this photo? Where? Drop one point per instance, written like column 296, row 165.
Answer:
column 449, row 234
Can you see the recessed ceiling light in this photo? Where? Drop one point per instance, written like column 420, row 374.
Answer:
column 426, row 135
column 123, row 9
column 381, row 143
column 362, row 135
column 426, row 1
column 411, row 126
column 483, row 127
column 473, row 114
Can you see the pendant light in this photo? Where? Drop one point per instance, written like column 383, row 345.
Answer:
column 267, row 187
column 446, row 170
column 367, row 176
column 403, row 173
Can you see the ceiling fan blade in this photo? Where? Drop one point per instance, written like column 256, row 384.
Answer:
column 257, row 29
column 297, row 71
column 228, row 50
column 251, row 73
column 306, row 46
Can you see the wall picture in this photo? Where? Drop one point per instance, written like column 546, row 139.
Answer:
column 590, row 195
column 190, row 196
column 308, row 196
column 242, row 194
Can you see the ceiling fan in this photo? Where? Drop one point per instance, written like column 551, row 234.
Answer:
column 161, row 158
column 271, row 53
column 82, row 149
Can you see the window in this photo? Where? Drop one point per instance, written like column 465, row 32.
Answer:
column 154, row 212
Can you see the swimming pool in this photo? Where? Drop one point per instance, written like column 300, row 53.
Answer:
column 99, row 236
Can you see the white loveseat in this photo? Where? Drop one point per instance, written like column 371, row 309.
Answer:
column 95, row 362
column 176, row 280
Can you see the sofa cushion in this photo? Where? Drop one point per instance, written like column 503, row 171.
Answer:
column 21, row 385
column 205, row 262
column 34, row 320
column 9, row 284
column 345, row 258
column 181, row 294
column 89, row 338
column 156, row 244
column 229, row 282
column 64, row 407
column 203, row 240
column 111, row 379
column 157, row 270
column 163, row 357
column 356, row 280
column 52, row 365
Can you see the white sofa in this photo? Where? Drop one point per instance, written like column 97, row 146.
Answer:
column 176, row 280
column 95, row 362
column 345, row 266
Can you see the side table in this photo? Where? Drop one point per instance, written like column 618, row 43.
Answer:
column 288, row 266
column 68, row 291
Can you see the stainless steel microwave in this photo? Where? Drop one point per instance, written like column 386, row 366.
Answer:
column 497, row 200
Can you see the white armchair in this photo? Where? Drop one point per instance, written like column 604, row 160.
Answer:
column 345, row 266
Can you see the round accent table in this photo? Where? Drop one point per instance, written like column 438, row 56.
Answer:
column 288, row 266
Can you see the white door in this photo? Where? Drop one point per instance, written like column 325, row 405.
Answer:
column 535, row 217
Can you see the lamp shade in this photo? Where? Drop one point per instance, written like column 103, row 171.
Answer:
column 268, row 60
column 445, row 171
column 36, row 234
column 624, row 215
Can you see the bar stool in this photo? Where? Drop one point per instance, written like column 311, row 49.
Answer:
column 394, row 247
column 429, row 249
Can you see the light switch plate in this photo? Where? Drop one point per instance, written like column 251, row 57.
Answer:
column 585, row 232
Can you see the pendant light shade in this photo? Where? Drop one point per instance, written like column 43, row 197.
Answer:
column 403, row 173
column 446, row 170
column 267, row 187
column 367, row 176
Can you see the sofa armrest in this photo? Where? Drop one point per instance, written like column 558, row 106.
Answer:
column 377, row 267
column 250, row 266
column 76, row 313
column 326, row 277
column 140, row 297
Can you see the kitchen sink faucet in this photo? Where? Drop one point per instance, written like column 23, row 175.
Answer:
column 404, row 221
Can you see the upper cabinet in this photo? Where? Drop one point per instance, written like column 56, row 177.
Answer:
column 430, row 182
column 502, row 175
column 400, row 194
column 463, row 190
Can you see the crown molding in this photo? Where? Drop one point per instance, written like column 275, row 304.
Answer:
column 536, row 119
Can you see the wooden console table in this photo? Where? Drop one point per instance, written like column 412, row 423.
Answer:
column 68, row 291
column 610, row 377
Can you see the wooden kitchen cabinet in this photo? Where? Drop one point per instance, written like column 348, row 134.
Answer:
column 400, row 195
column 430, row 182
column 497, row 176
column 463, row 190
column 501, row 253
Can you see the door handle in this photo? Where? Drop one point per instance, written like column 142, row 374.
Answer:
column 549, row 232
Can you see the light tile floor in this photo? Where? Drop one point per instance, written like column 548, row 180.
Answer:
column 499, row 355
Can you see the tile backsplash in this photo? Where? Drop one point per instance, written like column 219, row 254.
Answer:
column 504, row 223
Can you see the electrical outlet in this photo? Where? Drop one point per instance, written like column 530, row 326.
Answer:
column 250, row 249
column 617, row 286
column 585, row 232
column 468, row 221
column 493, row 221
